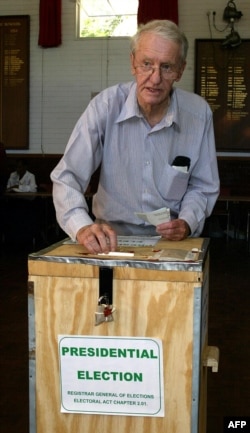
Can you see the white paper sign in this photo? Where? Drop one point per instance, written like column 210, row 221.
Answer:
column 111, row 375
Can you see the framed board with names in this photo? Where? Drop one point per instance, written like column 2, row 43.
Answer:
column 14, row 81
column 222, row 77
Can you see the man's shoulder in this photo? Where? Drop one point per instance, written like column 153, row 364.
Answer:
column 190, row 101
column 120, row 90
column 111, row 100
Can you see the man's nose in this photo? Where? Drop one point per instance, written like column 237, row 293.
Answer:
column 156, row 74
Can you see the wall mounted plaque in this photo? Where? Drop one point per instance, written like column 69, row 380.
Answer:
column 222, row 77
column 14, row 81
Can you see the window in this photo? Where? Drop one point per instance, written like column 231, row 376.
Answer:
column 106, row 18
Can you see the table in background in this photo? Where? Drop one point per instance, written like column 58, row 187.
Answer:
column 238, row 209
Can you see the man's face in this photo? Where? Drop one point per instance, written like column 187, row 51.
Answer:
column 21, row 169
column 156, row 65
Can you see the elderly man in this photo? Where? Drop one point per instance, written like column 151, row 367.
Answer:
column 155, row 145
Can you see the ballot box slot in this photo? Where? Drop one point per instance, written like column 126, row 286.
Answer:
column 106, row 283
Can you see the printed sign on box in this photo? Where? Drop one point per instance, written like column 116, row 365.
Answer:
column 111, row 375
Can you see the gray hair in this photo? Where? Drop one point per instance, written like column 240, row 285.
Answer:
column 167, row 30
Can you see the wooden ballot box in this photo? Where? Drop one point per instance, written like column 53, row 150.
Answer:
column 118, row 342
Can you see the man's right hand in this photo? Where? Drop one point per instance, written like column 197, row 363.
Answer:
column 97, row 238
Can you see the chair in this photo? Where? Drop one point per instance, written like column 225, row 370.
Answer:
column 221, row 210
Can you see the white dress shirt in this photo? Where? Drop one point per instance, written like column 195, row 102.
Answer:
column 27, row 183
column 136, row 163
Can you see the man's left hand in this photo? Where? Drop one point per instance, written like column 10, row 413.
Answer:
column 174, row 230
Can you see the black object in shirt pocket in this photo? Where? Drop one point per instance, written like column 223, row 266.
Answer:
column 181, row 161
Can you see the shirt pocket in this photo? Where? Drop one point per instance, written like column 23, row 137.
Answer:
column 173, row 183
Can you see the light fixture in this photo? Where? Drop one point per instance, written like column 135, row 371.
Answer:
column 232, row 40
column 231, row 15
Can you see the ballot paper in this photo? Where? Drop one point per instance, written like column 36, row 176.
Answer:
column 128, row 241
column 156, row 217
column 137, row 241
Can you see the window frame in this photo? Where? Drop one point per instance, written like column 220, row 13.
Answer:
column 78, row 25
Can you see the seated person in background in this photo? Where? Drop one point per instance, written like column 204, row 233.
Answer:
column 21, row 180
column 137, row 132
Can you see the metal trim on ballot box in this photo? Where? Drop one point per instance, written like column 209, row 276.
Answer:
column 133, row 262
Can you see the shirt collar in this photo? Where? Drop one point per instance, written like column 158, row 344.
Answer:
column 130, row 108
column 172, row 116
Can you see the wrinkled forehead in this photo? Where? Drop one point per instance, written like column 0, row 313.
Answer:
column 156, row 47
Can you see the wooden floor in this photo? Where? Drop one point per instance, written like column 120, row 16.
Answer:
column 229, row 329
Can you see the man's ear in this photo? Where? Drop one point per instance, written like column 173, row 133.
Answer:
column 180, row 72
column 132, row 68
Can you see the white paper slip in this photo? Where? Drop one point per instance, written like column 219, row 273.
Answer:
column 137, row 241
column 117, row 254
column 156, row 217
